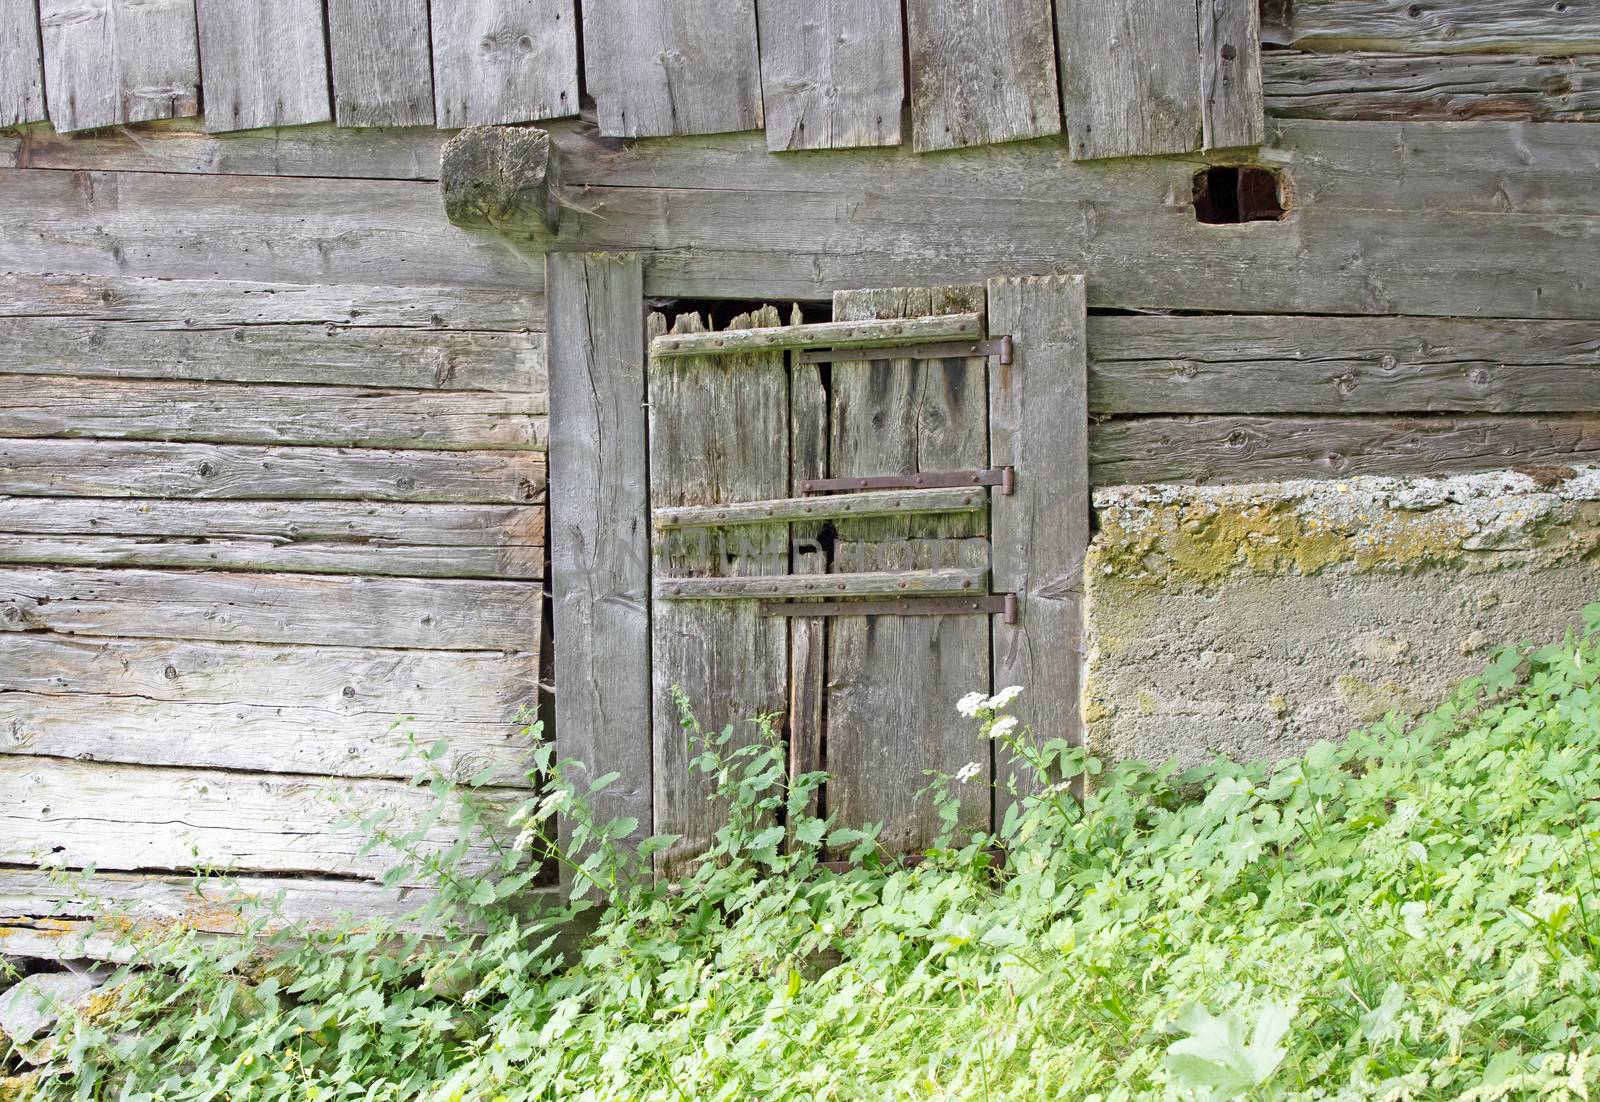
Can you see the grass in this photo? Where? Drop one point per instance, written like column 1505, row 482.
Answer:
column 1409, row 914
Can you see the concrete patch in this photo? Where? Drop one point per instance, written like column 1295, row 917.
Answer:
column 1254, row 620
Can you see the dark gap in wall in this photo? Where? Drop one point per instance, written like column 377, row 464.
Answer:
column 718, row 312
column 1231, row 194
column 544, row 705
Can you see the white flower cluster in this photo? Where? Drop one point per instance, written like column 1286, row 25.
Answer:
column 968, row 771
column 975, row 703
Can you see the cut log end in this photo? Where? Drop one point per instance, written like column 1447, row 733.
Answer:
column 501, row 176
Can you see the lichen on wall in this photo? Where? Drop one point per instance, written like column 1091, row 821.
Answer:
column 1254, row 619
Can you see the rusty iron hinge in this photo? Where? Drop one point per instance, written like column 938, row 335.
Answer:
column 1003, row 477
column 1004, row 604
column 999, row 347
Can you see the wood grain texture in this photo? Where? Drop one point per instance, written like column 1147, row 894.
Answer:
column 1445, row 26
column 265, row 63
column 600, row 553
column 1232, row 112
column 870, row 503
column 509, row 365
column 281, row 230
column 1130, row 77
column 808, row 635
column 719, row 433
column 893, row 680
column 121, row 817
column 954, row 581
column 981, row 73
column 382, row 65
column 831, row 73
column 22, row 79
column 871, row 333
column 204, row 307
column 433, row 540
column 1039, row 424
column 1255, row 449
column 683, row 67
column 502, row 61
column 426, row 614
column 118, row 61
column 327, row 711
column 96, row 468
column 65, row 408
column 1443, row 87
column 1278, row 364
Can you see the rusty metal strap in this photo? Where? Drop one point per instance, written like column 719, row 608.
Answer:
column 1004, row 604
column 1003, row 477
column 999, row 347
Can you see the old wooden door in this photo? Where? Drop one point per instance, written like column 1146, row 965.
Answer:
column 854, row 523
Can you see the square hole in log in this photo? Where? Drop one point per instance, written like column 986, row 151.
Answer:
column 1229, row 194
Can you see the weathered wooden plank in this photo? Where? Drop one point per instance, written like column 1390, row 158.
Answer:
column 119, row 817
column 1341, row 365
column 689, row 67
column 428, row 614
column 1444, row 87
column 504, row 177
column 183, row 145
column 1005, row 50
column 64, row 407
column 719, row 432
column 328, row 711
column 1254, row 449
column 1039, row 423
column 22, row 79
column 808, row 635
column 831, row 73
column 1130, row 77
column 382, row 68
column 1403, row 26
column 436, row 540
column 871, row 333
column 119, row 61
column 872, row 503
column 502, row 61
column 510, row 365
column 952, row 582
column 207, row 305
column 265, row 63
column 288, row 230
column 888, row 675
column 1231, row 108
column 600, row 560
column 95, row 468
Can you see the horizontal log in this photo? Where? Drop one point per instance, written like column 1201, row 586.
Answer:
column 430, row 540
column 829, row 334
column 65, row 407
column 1404, row 26
column 511, row 364
column 874, row 503
column 953, row 582
column 181, row 145
column 1437, row 87
column 430, row 614
column 1254, row 449
column 96, row 468
column 1341, row 365
column 277, row 229
column 128, row 817
column 209, row 304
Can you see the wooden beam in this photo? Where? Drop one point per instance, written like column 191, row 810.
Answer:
column 879, row 503
column 1039, row 535
column 22, row 79
column 108, row 62
column 1004, row 49
column 689, row 67
column 1130, row 77
column 871, row 333
column 600, row 553
column 1403, row 26
column 502, row 176
column 382, row 67
column 832, row 73
column 99, row 468
column 264, row 64
column 504, row 61
column 1232, row 112
column 950, row 582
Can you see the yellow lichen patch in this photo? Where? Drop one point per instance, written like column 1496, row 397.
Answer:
column 1369, row 703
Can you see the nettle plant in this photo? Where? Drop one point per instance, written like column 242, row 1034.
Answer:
column 1409, row 914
